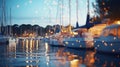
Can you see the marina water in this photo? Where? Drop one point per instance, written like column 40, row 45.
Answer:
column 35, row 53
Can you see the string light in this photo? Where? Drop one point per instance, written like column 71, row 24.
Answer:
column 113, row 50
column 80, row 45
column 66, row 42
column 111, row 44
column 105, row 44
column 72, row 43
column 103, row 3
column 103, row 41
column 98, row 45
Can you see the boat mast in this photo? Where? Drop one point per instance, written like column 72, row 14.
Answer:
column 3, row 12
column 77, row 10
column 88, row 15
column 70, row 12
column 56, row 16
column 77, row 25
column 60, row 15
column 49, row 18
column 10, row 33
column 62, row 10
column 3, row 30
column 0, row 19
column 88, row 8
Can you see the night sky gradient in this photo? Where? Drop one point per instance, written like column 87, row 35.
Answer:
column 44, row 12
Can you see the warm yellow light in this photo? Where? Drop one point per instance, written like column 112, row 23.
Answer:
column 64, row 31
column 92, row 60
column 97, row 29
column 74, row 63
column 75, row 33
column 66, row 42
column 118, row 22
column 46, row 47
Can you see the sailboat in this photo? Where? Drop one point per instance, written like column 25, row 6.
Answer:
column 57, row 38
column 109, row 40
column 83, row 39
column 3, row 38
column 10, row 35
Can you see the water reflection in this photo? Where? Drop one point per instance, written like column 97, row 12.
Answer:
column 30, row 52
column 107, row 60
column 77, row 58
column 12, row 48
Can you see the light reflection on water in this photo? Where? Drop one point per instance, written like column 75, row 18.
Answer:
column 30, row 53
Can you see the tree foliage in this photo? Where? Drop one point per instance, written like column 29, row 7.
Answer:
column 108, row 9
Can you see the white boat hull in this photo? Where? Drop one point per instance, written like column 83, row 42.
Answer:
column 108, row 45
column 55, row 42
column 78, row 43
column 3, row 40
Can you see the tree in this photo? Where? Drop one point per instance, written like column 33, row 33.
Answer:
column 115, row 9
column 22, row 28
column 15, row 30
column 36, row 29
column 102, row 8
column 108, row 9
column 41, row 31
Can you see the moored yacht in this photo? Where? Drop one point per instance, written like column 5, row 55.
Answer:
column 11, row 39
column 59, row 38
column 3, row 40
column 56, row 40
column 82, row 40
column 109, row 41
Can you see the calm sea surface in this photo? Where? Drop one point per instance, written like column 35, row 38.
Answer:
column 35, row 53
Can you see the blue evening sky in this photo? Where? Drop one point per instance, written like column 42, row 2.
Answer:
column 44, row 12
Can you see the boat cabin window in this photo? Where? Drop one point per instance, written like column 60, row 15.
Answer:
column 119, row 32
column 81, row 31
column 113, row 32
column 105, row 32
